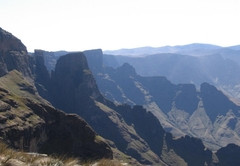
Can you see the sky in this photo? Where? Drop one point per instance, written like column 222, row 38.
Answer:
column 77, row 25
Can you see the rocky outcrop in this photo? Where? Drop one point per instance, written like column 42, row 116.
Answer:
column 194, row 153
column 13, row 55
column 42, row 75
column 50, row 57
column 215, row 102
column 95, row 59
column 145, row 124
column 31, row 124
column 72, row 83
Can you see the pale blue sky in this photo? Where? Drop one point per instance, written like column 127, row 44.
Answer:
column 76, row 25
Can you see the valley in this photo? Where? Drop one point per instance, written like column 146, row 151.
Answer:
column 92, row 106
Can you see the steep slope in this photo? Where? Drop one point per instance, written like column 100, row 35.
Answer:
column 50, row 58
column 182, row 109
column 179, row 68
column 73, row 89
column 134, row 131
column 229, row 155
column 13, row 55
column 30, row 123
column 218, row 67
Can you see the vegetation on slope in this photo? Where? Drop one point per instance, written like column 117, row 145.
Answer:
column 11, row 157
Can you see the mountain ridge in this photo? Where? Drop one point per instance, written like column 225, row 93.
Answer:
column 72, row 80
column 144, row 51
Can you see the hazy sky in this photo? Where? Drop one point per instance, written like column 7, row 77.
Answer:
column 76, row 25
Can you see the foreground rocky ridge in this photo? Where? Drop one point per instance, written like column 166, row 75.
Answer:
column 132, row 130
column 29, row 122
column 13, row 55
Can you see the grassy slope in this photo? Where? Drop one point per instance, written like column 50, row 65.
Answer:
column 10, row 157
column 16, row 90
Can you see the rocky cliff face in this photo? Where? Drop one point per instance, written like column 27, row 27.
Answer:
column 30, row 123
column 133, row 130
column 13, row 55
column 145, row 124
column 229, row 155
column 74, row 90
column 95, row 59
column 72, row 83
column 182, row 109
column 215, row 66
column 42, row 75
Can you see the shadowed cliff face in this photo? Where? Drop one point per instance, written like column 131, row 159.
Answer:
column 216, row 103
column 13, row 55
column 229, row 155
column 30, row 123
column 182, row 109
column 134, row 131
column 72, row 83
column 74, row 90
column 146, row 125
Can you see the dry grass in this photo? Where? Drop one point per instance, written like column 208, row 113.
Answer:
column 10, row 157
column 103, row 162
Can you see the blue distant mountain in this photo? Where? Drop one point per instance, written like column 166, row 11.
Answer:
column 193, row 49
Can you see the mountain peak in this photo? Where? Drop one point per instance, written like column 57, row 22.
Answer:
column 126, row 69
column 72, row 76
column 10, row 42
column 13, row 55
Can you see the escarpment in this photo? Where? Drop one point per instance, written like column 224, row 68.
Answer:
column 30, row 123
column 63, row 111
column 13, row 55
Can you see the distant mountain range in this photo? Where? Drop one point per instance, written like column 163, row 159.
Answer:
column 217, row 66
column 195, row 49
column 181, row 109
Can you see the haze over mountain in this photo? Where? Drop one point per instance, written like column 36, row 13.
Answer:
column 143, row 51
column 217, row 66
column 181, row 109
column 123, row 85
column 31, row 123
